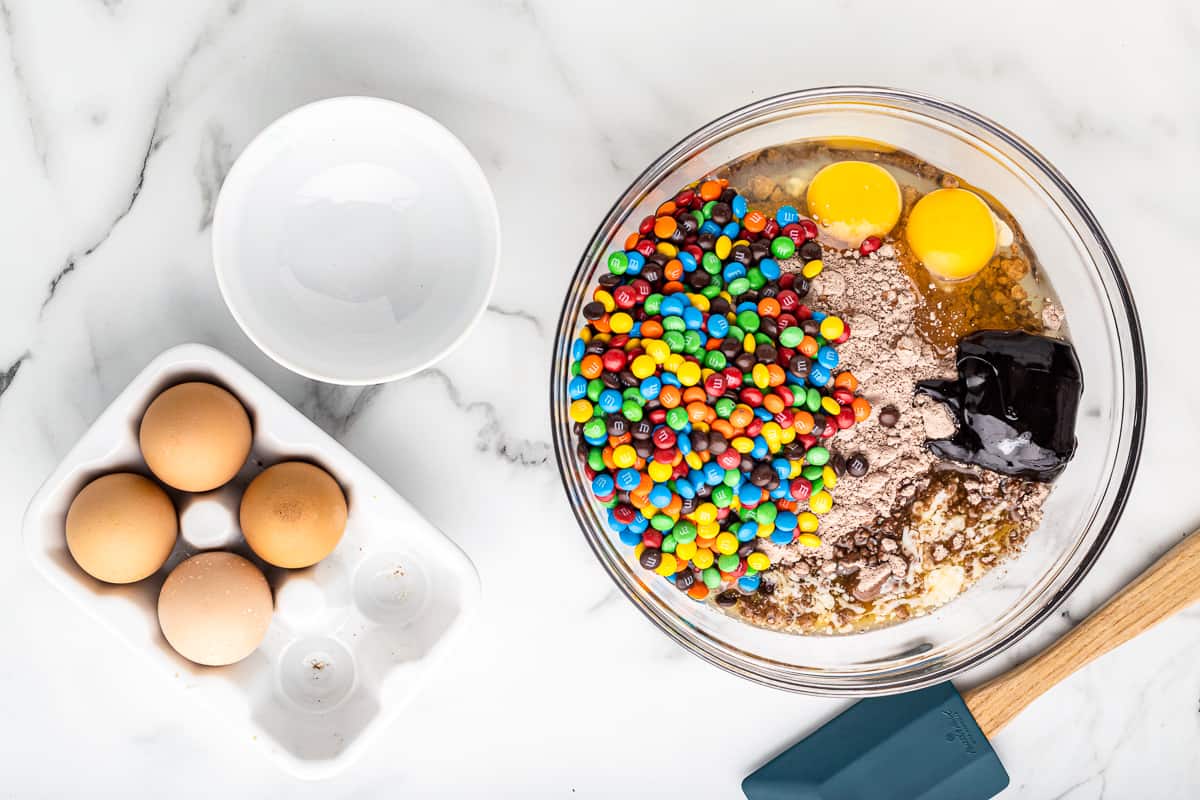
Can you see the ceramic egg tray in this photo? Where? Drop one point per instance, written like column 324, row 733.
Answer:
column 352, row 637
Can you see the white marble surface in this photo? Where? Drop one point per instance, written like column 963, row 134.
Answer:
column 118, row 119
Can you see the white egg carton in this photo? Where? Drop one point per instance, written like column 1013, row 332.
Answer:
column 353, row 637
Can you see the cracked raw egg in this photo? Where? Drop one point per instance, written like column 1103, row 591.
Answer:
column 851, row 200
column 952, row 232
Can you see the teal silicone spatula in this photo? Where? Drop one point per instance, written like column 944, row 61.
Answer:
column 933, row 744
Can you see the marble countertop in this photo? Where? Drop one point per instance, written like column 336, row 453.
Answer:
column 118, row 120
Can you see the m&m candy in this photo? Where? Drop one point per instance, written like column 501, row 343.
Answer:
column 705, row 393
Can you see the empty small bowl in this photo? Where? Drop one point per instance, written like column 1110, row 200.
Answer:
column 356, row 240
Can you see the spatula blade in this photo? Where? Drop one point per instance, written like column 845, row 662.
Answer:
column 923, row 745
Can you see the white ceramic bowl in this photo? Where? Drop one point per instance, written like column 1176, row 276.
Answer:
column 356, row 240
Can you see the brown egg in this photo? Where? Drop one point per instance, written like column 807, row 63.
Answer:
column 121, row 528
column 195, row 436
column 293, row 514
column 215, row 608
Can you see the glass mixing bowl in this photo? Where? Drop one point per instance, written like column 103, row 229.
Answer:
column 1087, row 499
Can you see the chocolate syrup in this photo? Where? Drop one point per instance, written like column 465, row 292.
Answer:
column 1014, row 400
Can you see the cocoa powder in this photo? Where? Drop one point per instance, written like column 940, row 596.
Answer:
column 909, row 534
column 874, row 297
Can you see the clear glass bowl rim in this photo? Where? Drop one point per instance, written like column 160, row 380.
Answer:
column 1102, row 255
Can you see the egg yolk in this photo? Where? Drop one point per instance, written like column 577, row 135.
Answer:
column 952, row 232
column 852, row 200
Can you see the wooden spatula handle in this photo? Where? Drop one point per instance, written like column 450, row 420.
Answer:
column 1171, row 585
